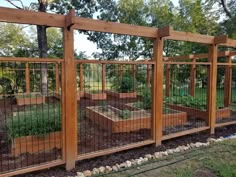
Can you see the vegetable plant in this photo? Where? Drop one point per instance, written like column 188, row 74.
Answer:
column 37, row 121
column 125, row 114
column 123, row 85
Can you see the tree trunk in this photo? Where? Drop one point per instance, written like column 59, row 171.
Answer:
column 43, row 48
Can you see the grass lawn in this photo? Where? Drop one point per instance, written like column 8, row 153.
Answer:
column 218, row 160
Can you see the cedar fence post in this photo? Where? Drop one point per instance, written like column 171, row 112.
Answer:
column 168, row 80
column 27, row 77
column 192, row 78
column 57, row 78
column 212, row 91
column 228, row 82
column 103, row 77
column 70, row 94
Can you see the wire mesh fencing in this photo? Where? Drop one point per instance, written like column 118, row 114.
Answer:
column 114, row 107
column 30, row 115
column 185, row 97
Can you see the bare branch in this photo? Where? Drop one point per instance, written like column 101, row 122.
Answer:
column 16, row 6
column 226, row 9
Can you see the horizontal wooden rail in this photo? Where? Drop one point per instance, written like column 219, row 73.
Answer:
column 115, row 62
column 31, row 17
column 114, row 150
column 34, row 168
column 190, row 37
column 226, row 64
column 225, row 124
column 187, row 132
column 113, row 27
column 186, row 63
column 31, row 60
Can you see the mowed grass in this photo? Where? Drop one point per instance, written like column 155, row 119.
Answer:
column 218, row 160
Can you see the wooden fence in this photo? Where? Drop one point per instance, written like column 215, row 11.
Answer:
column 70, row 128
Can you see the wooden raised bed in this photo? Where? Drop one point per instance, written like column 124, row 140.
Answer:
column 79, row 95
column 220, row 113
column 96, row 96
column 34, row 144
column 30, row 100
column 139, row 119
column 122, row 95
column 171, row 118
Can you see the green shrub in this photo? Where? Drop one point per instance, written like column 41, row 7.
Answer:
column 124, row 85
column 146, row 99
column 125, row 114
column 36, row 121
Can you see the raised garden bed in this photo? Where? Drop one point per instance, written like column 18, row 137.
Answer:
column 170, row 117
column 220, row 113
column 79, row 95
column 35, row 130
column 116, row 120
column 95, row 95
column 34, row 144
column 29, row 99
column 121, row 95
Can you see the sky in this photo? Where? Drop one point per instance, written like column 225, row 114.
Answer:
column 80, row 40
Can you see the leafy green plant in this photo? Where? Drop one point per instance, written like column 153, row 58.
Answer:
column 189, row 101
column 124, row 85
column 103, row 106
column 125, row 114
column 36, row 121
column 146, row 99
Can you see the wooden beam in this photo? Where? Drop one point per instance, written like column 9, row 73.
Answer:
column 103, row 77
column 57, row 78
column 167, row 80
column 31, row 17
column 134, row 77
column 158, row 88
column 190, row 37
column 121, row 71
column 27, row 77
column 81, row 77
column 148, row 76
column 211, row 98
column 30, row 60
column 192, row 79
column 165, row 31
column 115, row 62
column 70, row 18
column 70, row 101
column 113, row 27
column 228, row 83
column 225, row 41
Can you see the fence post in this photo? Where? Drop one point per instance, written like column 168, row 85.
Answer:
column 228, row 82
column 81, row 78
column 212, row 91
column 134, row 77
column 158, row 87
column 103, row 77
column 148, row 76
column 192, row 78
column 69, row 94
column 168, row 80
column 57, row 78
column 27, row 77
column 121, row 71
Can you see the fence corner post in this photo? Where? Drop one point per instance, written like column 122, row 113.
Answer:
column 69, row 95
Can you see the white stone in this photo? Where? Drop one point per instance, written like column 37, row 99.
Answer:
column 211, row 140
column 129, row 164
column 95, row 171
column 101, row 169
column 87, row 173
column 123, row 165
column 157, row 155
column 164, row 153
column 114, row 168
column 79, row 174
column 149, row 156
column 170, row 151
column 198, row 144
column 145, row 159
column 139, row 162
column 108, row 169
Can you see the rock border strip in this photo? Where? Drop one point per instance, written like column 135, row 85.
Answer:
column 157, row 155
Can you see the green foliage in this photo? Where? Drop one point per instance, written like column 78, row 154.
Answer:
column 37, row 121
column 124, row 85
column 189, row 101
column 125, row 114
column 146, row 99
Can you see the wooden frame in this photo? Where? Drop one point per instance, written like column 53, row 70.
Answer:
column 69, row 110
